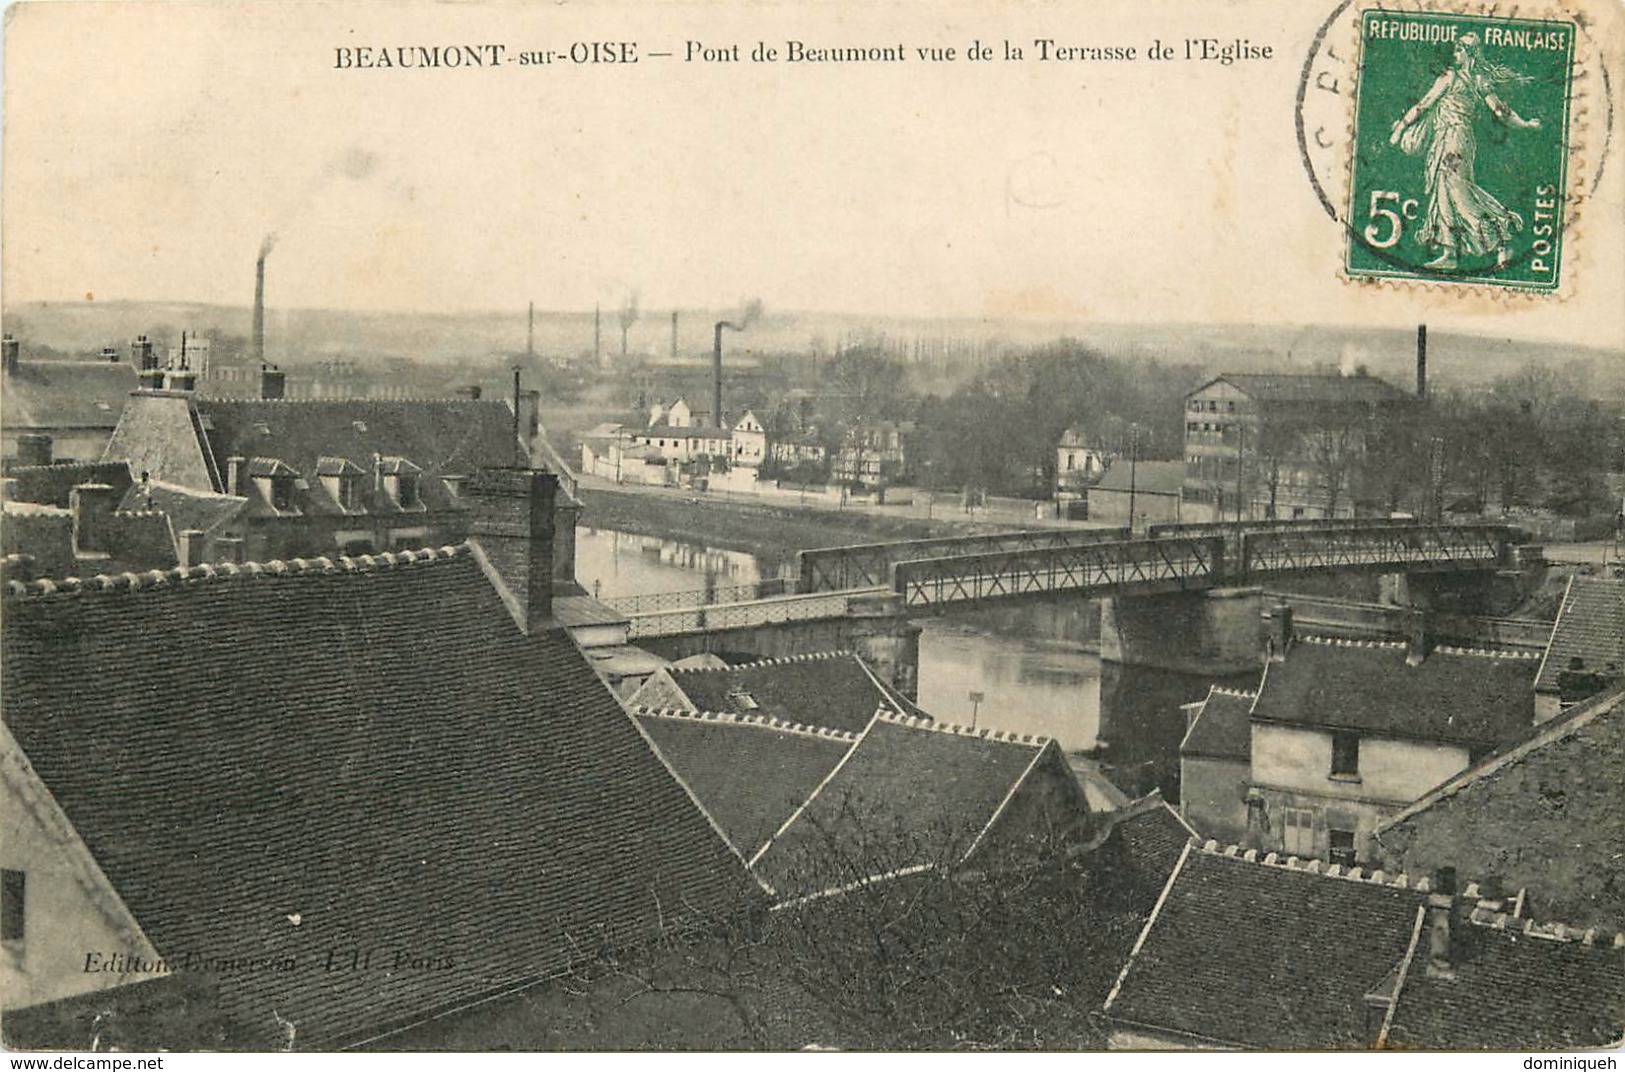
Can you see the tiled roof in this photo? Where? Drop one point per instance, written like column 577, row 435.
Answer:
column 1547, row 814
column 1222, row 726
column 1473, row 698
column 188, row 508
column 833, row 689
column 1512, row 989
column 1281, row 387
column 909, row 794
column 65, row 394
column 1590, row 627
column 1153, row 836
column 750, row 773
column 54, row 484
column 1261, row 954
column 281, row 760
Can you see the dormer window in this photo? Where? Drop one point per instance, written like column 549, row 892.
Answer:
column 277, row 484
column 407, row 495
column 282, row 493
column 344, row 481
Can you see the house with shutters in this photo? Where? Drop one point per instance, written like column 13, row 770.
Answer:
column 302, row 805
column 1341, row 735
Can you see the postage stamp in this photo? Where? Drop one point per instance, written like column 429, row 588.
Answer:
column 1460, row 149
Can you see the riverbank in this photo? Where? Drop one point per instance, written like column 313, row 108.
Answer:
column 769, row 530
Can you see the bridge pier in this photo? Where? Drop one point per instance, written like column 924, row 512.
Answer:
column 1216, row 632
column 873, row 627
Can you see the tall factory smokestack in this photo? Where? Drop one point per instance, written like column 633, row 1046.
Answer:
column 1421, row 361
column 257, row 346
column 716, row 376
column 674, row 335
column 530, row 332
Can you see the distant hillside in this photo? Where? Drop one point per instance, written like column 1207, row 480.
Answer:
column 956, row 347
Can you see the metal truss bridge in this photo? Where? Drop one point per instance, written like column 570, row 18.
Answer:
column 957, row 571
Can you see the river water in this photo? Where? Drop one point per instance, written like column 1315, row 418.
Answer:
column 1030, row 670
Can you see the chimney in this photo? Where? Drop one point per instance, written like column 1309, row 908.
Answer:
column 716, row 378
column 1280, row 631
column 597, row 336
column 34, row 448
column 674, row 336
column 1419, row 636
column 530, row 332
column 110, row 355
column 472, row 391
column 191, row 548
column 1441, row 907
column 236, row 474
column 511, row 520
column 273, row 382
column 1421, row 361
column 256, row 350
column 92, row 507
column 12, row 352
column 149, row 377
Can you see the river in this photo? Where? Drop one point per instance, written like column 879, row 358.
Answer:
column 1030, row 670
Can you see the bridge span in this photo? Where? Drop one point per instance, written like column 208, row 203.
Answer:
column 1180, row 596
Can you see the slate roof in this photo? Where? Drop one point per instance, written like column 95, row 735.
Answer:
column 750, row 774
column 833, row 689
column 1151, row 478
column 1260, row 954
column 1590, row 626
column 281, row 760
column 1291, row 388
column 1473, row 698
column 447, row 436
column 908, row 795
column 1547, row 813
column 1222, row 728
column 65, row 394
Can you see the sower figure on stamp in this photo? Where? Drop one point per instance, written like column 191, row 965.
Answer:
column 1462, row 218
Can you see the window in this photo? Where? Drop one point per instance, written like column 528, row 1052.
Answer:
column 13, row 889
column 1345, row 755
column 1341, row 847
column 409, row 489
column 282, row 493
column 1298, row 831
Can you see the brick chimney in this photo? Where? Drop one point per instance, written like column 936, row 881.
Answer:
column 34, row 448
column 1441, row 909
column 1418, row 636
column 92, row 506
column 191, row 547
column 511, row 520
column 149, row 377
column 273, row 382
column 236, row 475
column 110, row 355
column 12, row 352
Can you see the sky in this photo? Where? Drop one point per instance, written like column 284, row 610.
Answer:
column 149, row 150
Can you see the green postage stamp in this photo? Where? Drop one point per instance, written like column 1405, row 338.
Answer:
column 1460, row 148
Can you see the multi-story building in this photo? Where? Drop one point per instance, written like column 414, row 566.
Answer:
column 1265, row 446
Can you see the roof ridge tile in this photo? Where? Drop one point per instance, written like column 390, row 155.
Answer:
column 764, row 721
column 225, row 571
